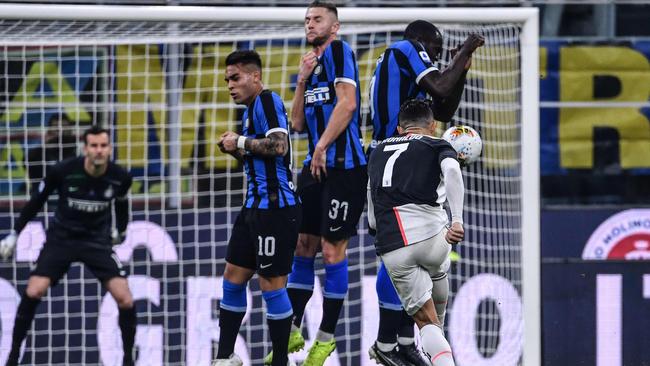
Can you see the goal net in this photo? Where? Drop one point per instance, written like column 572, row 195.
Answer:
column 154, row 76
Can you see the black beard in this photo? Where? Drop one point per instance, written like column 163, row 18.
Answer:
column 318, row 41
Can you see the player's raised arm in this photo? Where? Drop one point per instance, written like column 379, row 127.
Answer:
column 427, row 37
column 441, row 84
column 445, row 108
column 307, row 64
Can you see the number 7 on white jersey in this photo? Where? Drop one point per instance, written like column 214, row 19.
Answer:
column 387, row 179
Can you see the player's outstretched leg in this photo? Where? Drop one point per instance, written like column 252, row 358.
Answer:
column 385, row 350
column 439, row 295
column 434, row 344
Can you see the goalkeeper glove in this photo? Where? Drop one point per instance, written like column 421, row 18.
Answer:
column 117, row 237
column 8, row 244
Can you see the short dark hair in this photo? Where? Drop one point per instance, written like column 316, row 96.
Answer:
column 415, row 113
column 244, row 57
column 95, row 130
column 421, row 30
column 324, row 4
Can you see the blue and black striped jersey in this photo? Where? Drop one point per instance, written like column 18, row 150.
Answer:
column 336, row 65
column 399, row 70
column 269, row 178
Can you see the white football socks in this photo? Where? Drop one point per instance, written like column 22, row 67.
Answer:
column 435, row 346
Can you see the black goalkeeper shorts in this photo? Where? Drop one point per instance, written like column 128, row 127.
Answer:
column 55, row 260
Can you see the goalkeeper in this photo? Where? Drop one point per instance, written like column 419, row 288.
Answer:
column 408, row 66
column 79, row 232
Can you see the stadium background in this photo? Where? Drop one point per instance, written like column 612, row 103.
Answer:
column 595, row 165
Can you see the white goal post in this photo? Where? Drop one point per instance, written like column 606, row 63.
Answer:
column 179, row 25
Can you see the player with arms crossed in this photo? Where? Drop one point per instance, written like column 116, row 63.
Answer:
column 406, row 70
column 264, row 235
column 410, row 177
column 333, row 181
column 80, row 231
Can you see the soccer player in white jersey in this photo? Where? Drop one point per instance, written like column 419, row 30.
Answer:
column 411, row 175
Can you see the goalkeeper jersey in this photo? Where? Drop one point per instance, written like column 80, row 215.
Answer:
column 336, row 65
column 83, row 211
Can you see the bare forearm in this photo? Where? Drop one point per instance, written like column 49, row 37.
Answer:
column 339, row 121
column 446, row 107
column 297, row 108
column 346, row 106
column 448, row 79
column 273, row 145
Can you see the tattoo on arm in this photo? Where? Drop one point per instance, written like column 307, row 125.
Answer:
column 274, row 144
column 238, row 154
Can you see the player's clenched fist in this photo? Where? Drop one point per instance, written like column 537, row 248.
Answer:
column 228, row 142
column 455, row 234
column 473, row 41
column 307, row 64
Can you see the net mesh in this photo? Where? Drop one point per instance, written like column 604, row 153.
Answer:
column 159, row 87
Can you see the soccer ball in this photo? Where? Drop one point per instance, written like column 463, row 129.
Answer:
column 466, row 141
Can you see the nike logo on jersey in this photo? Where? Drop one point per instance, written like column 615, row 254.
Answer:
column 335, row 228
column 262, row 266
